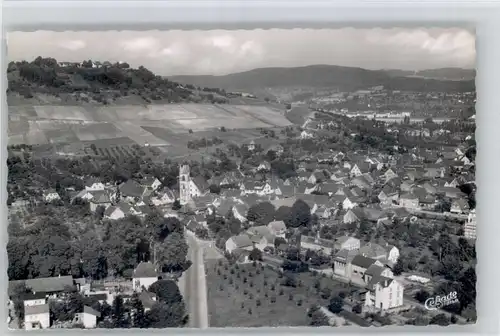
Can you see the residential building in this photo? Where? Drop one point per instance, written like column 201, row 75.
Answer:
column 36, row 317
column 277, row 228
column 360, row 264
column 241, row 241
column 459, row 206
column 384, row 293
column 347, row 243
column 93, row 184
column 342, row 262
column 100, row 198
column 144, row 276
column 131, row 191
column 470, row 225
column 51, row 196
column 87, row 318
column 409, row 201
column 52, row 286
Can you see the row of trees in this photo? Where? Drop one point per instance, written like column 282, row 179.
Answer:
column 95, row 79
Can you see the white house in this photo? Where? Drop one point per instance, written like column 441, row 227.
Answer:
column 277, row 228
column 385, row 293
column 306, row 135
column 151, row 183
column 84, row 195
column 409, row 201
column 51, row 195
column 165, row 196
column 392, row 253
column 348, row 204
column 144, row 275
column 36, row 317
column 241, row 241
column 94, row 185
column 347, row 243
column 88, row 318
column 470, row 225
column 114, row 213
column 264, row 166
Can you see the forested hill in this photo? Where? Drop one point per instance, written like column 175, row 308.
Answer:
column 97, row 82
column 341, row 78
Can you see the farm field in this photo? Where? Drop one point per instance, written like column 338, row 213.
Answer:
column 244, row 295
column 156, row 125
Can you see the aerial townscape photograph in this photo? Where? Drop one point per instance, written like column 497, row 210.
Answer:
column 241, row 178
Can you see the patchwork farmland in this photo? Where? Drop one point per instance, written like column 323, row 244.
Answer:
column 113, row 130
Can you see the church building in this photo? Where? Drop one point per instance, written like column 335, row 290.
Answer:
column 190, row 187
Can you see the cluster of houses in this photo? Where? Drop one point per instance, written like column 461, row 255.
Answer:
column 360, row 186
column 42, row 290
column 117, row 201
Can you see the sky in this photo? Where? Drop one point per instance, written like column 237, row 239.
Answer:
column 220, row 52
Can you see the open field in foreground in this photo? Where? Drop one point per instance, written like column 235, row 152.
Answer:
column 156, row 125
column 254, row 296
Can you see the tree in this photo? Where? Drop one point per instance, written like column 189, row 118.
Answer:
column 176, row 205
column 261, row 213
column 214, row 189
column 440, row 319
column 162, row 315
column 282, row 213
column 398, row 267
column 172, row 252
column 299, row 216
column 118, row 313
column 139, row 316
column 201, row 232
column 279, row 241
column 336, row 304
column 167, row 291
column 256, row 255
column 358, row 309
column 318, row 319
column 422, row 295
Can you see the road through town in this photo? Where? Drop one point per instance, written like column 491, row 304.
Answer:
column 194, row 286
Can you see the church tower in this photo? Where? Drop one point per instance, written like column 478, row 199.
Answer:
column 184, row 184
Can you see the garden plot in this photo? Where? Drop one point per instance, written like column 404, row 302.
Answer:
column 207, row 111
column 23, row 110
column 228, row 123
column 266, row 114
column 168, row 112
column 97, row 131
column 35, row 137
column 125, row 112
column 106, row 143
column 61, row 112
column 17, row 139
column 52, row 125
column 249, row 296
column 61, row 136
column 105, row 113
column 138, row 134
column 18, row 126
column 168, row 136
